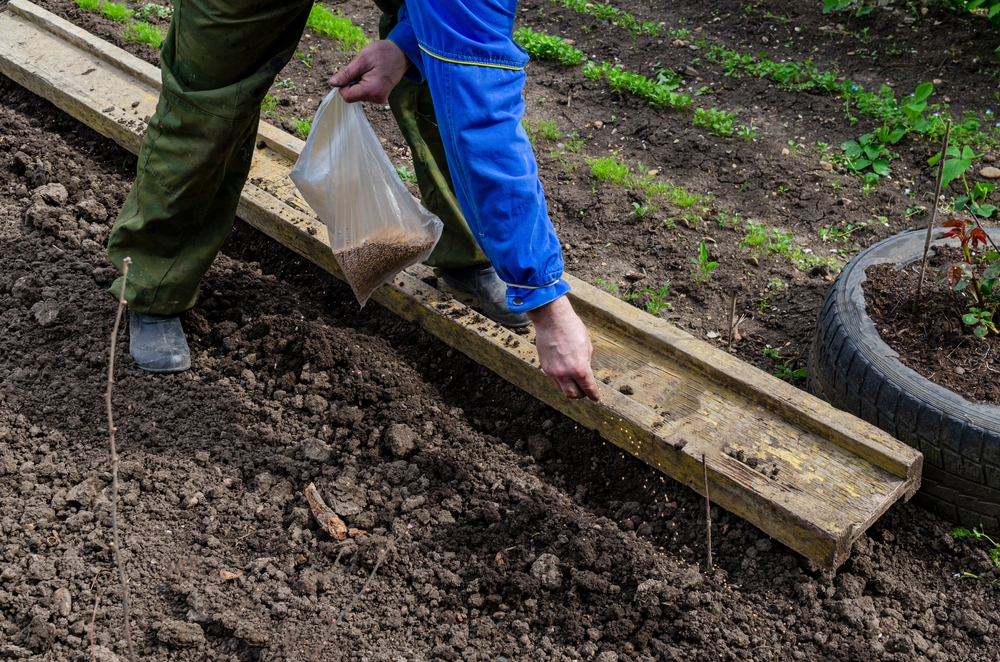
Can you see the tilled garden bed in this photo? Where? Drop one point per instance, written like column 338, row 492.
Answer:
column 512, row 533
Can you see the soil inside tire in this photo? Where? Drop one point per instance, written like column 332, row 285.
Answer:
column 933, row 342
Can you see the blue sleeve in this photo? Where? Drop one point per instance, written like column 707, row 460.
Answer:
column 403, row 36
column 522, row 299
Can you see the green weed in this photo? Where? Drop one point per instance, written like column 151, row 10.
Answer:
column 89, row 5
column 610, row 169
column 337, row 26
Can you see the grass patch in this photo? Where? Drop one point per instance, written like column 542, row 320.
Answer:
column 145, row 33
column 89, row 5
column 337, row 26
column 116, row 12
column 542, row 46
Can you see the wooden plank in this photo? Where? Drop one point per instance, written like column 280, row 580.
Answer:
column 811, row 476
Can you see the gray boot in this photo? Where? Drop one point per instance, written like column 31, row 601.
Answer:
column 157, row 343
column 492, row 292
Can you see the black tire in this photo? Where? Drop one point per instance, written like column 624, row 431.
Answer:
column 854, row 370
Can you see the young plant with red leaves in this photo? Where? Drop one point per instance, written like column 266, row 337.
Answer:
column 976, row 276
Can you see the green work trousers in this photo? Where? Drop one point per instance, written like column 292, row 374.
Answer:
column 219, row 59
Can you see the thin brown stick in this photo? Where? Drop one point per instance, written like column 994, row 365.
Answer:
column 930, row 223
column 93, row 617
column 114, row 465
column 708, row 515
column 364, row 589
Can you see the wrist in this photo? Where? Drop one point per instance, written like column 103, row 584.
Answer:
column 546, row 315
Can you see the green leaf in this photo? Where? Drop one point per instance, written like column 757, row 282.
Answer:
column 970, row 318
column 880, row 167
column 954, row 168
column 851, row 148
column 985, row 210
column 980, row 331
column 859, row 164
column 873, row 151
column 923, row 91
column 864, row 11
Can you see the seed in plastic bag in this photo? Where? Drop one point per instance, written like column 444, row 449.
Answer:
column 379, row 258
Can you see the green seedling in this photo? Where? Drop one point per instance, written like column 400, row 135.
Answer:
column 574, row 143
column 977, row 534
column 842, row 234
column 747, row 133
column 716, row 121
column 542, row 46
column 336, row 26
column 607, row 285
column 872, row 151
column 657, row 302
column 269, row 105
column 639, row 210
column 89, row 5
column 144, row 33
column 610, row 169
column 306, row 58
column 286, row 83
column 302, row 127
column 786, row 373
column 606, row 12
column 773, row 286
column 116, row 12
column 660, row 95
column 406, row 174
column 704, row 266
column 157, row 11
column 842, row 5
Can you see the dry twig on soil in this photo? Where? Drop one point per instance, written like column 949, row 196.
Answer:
column 324, row 514
column 364, row 589
column 93, row 617
column 708, row 515
column 114, row 466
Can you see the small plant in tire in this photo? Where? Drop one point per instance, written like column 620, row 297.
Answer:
column 976, row 276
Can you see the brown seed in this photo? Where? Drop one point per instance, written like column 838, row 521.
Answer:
column 379, row 258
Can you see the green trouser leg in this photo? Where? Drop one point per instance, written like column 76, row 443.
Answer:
column 414, row 112
column 219, row 59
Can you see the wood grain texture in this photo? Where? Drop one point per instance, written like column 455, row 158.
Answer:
column 810, row 476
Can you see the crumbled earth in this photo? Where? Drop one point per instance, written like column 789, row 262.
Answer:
column 504, row 531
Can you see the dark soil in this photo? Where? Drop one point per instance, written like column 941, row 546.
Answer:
column 934, row 342
column 514, row 534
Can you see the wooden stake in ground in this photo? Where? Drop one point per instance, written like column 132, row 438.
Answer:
column 114, row 465
column 708, row 515
column 930, row 223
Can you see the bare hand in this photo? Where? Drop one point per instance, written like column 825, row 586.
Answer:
column 564, row 349
column 372, row 74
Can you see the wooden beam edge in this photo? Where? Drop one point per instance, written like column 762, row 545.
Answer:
column 861, row 438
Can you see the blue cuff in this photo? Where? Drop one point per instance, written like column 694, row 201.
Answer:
column 523, row 299
column 403, row 36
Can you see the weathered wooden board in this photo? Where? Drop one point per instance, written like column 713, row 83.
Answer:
column 810, row 476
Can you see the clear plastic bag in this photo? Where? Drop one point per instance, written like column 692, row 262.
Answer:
column 376, row 227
